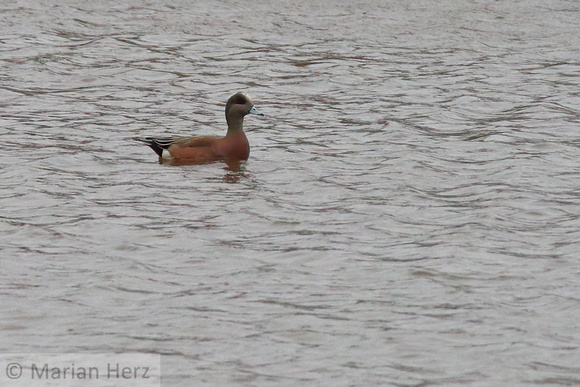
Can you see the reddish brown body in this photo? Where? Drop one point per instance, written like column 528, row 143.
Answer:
column 232, row 146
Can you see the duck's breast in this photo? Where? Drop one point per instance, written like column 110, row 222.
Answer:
column 233, row 147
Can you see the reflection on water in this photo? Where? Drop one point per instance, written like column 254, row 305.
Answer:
column 235, row 169
column 408, row 215
column 231, row 164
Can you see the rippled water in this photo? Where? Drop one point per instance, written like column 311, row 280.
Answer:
column 409, row 214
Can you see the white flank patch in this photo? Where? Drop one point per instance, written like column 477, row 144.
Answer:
column 165, row 154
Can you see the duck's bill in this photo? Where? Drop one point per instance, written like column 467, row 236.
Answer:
column 253, row 110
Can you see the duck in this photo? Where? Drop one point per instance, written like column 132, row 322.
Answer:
column 234, row 146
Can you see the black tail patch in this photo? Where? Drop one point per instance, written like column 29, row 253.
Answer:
column 157, row 144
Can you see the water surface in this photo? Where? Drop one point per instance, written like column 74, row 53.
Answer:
column 409, row 214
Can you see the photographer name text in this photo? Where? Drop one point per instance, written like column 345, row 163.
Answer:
column 110, row 372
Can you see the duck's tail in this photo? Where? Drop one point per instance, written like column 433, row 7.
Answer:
column 157, row 144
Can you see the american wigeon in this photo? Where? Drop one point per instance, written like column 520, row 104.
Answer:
column 234, row 146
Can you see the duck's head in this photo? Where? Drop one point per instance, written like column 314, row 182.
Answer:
column 239, row 105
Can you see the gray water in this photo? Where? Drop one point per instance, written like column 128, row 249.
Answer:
column 409, row 214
